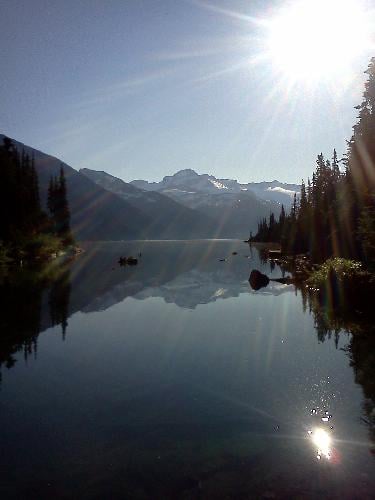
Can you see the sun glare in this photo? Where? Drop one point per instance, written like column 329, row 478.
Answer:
column 317, row 39
column 322, row 440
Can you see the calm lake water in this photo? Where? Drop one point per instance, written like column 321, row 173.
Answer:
column 174, row 379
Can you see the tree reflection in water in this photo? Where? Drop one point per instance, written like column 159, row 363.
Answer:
column 334, row 317
column 58, row 301
column 23, row 292
column 34, row 300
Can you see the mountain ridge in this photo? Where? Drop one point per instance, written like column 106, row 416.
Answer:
column 94, row 211
column 102, row 214
column 187, row 180
column 234, row 212
column 186, row 205
column 169, row 218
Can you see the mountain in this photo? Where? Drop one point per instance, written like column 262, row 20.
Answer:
column 182, row 206
column 185, row 181
column 189, row 204
column 274, row 191
column 96, row 214
column 188, row 182
column 235, row 207
column 169, row 219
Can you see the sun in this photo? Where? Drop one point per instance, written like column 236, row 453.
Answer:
column 312, row 40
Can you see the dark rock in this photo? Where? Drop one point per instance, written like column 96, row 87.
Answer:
column 131, row 261
column 284, row 281
column 122, row 261
column 258, row 280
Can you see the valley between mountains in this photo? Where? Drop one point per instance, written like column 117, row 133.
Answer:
column 186, row 205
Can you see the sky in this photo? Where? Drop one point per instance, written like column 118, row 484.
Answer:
column 144, row 88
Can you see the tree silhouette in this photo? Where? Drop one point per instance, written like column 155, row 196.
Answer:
column 57, row 203
column 335, row 214
column 21, row 214
column 25, row 229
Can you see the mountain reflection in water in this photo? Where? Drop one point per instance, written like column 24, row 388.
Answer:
column 186, row 382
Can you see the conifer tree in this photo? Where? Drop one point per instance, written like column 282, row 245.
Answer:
column 51, row 196
column 23, row 224
column 335, row 165
column 360, row 179
column 64, row 215
column 58, row 206
column 361, row 154
column 21, row 214
column 336, row 213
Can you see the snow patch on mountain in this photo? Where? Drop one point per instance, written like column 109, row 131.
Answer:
column 188, row 181
column 279, row 189
column 217, row 184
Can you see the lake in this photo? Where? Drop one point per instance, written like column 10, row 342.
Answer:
column 174, row 379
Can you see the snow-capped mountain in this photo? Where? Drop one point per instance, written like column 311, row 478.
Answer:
column 187, row 201
column 169, row 219
column 274, row 191
column 185, row 205
column 236, row 207
column 188, row 182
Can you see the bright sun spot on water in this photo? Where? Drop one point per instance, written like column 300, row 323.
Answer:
column 322, row 441
column 313, row 40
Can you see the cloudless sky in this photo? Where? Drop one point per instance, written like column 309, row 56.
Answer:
column 143, row 88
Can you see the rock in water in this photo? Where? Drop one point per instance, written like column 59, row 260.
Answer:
column 131, row 261
column 258, row 280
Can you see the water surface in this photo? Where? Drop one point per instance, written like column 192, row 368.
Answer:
column 173, row 379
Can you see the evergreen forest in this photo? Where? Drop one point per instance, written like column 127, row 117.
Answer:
column 334, row 216
column 27, row 232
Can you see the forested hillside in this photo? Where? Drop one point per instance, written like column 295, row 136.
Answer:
column 335, row 213
column 28, row 231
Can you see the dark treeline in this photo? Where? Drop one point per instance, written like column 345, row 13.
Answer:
column 335, row 212
column 58, row 207
column 25, row 229
column 20, row 210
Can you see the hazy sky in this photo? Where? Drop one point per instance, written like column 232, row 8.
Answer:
column 143, row 88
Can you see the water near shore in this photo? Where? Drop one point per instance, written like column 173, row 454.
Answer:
column 174, row 379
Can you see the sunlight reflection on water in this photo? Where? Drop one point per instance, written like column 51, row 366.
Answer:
column 199, row 397
column 322, row 440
